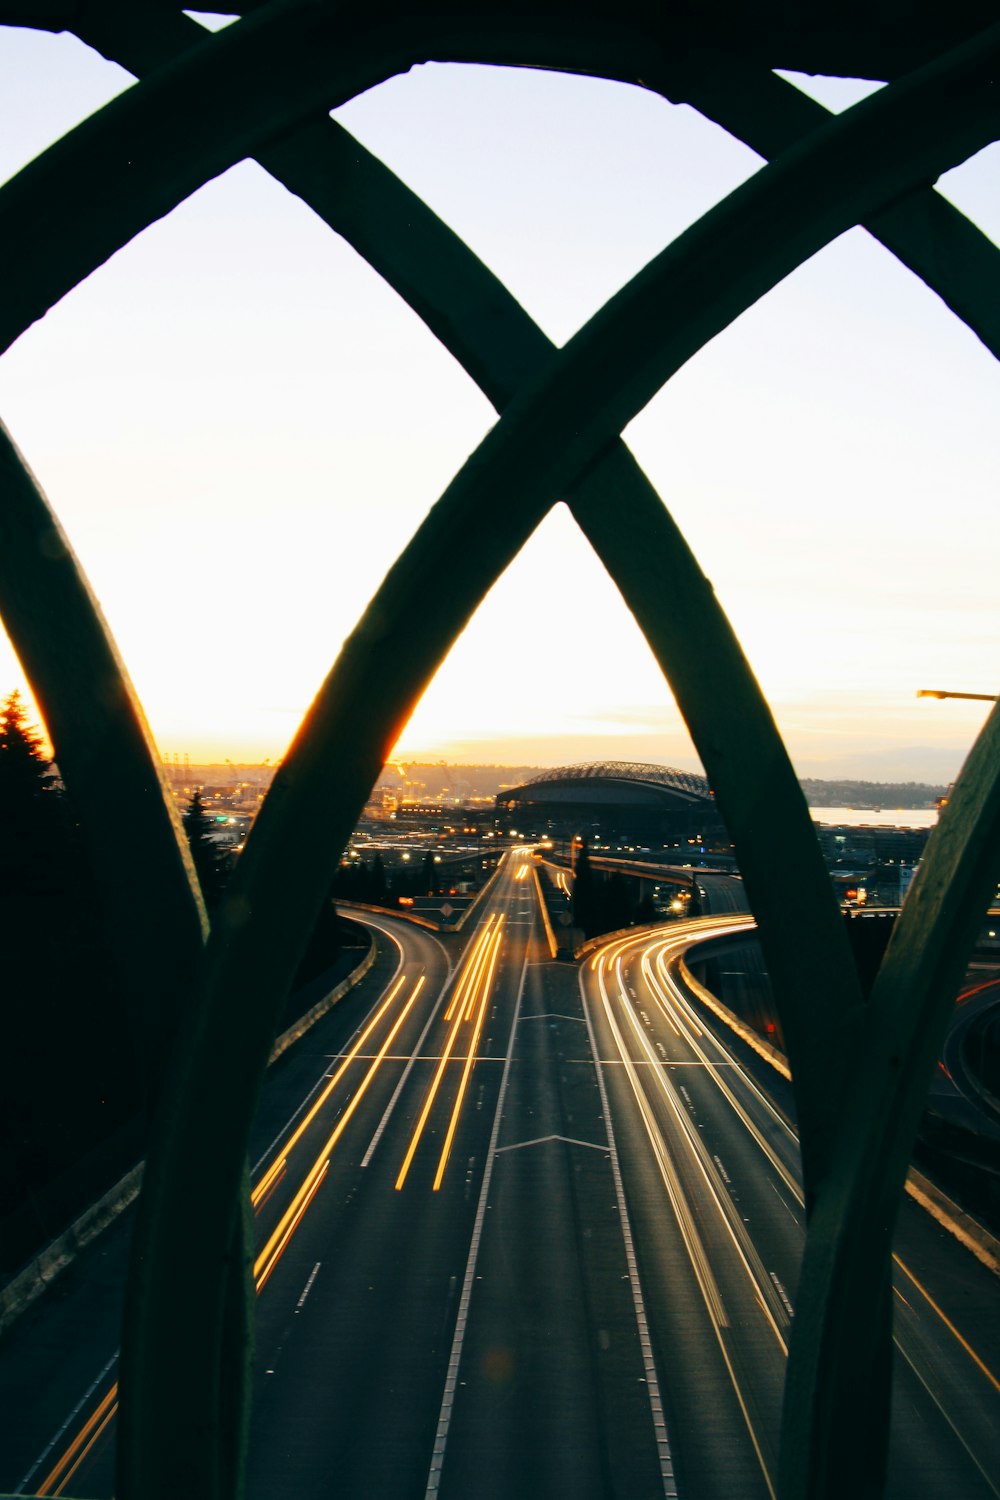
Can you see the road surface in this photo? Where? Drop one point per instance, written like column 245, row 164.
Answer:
column 526, row 1229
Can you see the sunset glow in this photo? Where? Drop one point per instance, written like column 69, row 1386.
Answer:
column 240, row 427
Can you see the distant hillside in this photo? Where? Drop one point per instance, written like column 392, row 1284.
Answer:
column 871, row 794
column 433, row 779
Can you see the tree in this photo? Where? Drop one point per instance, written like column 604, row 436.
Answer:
column 377, row 893
column 583, row 892
column 33, row 818
column 617, row 904
column 210, row 862
column 67, row 1074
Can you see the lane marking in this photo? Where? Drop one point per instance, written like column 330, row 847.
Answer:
column 638, row 1302
column 543, row 1140
column 307, row 1288
column 551, row 1015
column 451, row 1378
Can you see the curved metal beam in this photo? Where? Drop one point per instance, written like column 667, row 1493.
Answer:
column 544, row 442
column 106, row 757
column 923, row 230
column 324, row 165
column 134, row 160
column 486, row 329
column 844, row 1274
column 491, row 335
column 855, row 42
column 147, row 150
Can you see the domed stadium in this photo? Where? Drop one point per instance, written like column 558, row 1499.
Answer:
column 613, row 800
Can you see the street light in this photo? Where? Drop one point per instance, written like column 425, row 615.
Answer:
column 939, row 693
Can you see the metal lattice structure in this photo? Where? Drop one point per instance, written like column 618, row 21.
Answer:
column 261, row 88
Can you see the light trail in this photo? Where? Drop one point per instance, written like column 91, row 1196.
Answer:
column 697, row 1254
column 766, row 1294
column 470, row 1059
column 445, row 1056
column 979, row 1363
column 684, row 1015
column 470, row 968
column 275, row 1246
column 63, row 1471
column 290, row 1225
column 347, row 1060
column 269, row 1180
column 103, row 1414
column 684, row 1010
column 678, row 1010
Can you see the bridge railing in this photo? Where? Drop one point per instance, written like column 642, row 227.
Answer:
column 262, row 88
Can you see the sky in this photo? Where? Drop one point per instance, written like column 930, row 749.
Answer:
column 239, row 426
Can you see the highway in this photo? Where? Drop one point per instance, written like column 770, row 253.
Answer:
column 705, row 1123
column 490, row 1267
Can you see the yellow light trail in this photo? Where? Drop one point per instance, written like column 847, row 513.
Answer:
column 443, row 1063
column 268, row 1181
column 470, row 1058
column 275, row 1246
column 345, row 1064
column 980, row 1365
column 481, row 963
column 85, row 1439
column 103, row 1414
column 468, row 972
column 292, row 1225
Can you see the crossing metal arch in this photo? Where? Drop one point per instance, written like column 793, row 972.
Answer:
column 209, row 101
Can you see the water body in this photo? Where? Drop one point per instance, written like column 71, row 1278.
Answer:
column 886, row 817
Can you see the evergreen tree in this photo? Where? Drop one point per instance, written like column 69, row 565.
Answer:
column 378, row 886
column 34, row 827
column 210, row 862
column 617, row 903
column 584, row 895
column 67, row 1075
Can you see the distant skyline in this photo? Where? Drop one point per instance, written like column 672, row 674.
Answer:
column 239, row 427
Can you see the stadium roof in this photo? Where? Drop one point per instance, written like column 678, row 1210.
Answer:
column 612, row 781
